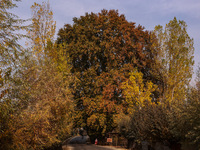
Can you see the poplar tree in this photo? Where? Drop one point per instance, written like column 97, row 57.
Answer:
column 175, row 59
column 43, row 29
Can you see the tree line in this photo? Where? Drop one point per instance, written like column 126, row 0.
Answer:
column 102, row 73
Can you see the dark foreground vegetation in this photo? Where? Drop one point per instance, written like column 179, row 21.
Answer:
column 103, row 74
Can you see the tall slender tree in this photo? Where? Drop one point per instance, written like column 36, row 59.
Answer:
column 175, row 59
column 43, row 28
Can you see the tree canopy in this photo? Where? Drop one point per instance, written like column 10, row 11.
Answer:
column 103, row 49
column 36, row 112
column 103, row 73
column 175, row 58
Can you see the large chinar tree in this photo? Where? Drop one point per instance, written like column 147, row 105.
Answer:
column 103, row 49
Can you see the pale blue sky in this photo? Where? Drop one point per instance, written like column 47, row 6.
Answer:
column 147, row 13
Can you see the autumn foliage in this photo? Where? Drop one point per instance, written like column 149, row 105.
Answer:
column 104, row 48
column 103, row 74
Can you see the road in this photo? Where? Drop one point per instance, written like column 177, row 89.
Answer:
column 85, row 147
